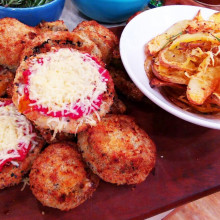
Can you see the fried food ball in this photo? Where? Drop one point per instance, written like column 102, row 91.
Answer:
column 11, row 175
column 60, row 179
column 60, row 39
column 105, row 39
column 12, row 172
column 6, row 80
column 13, row 37
column 118, row 150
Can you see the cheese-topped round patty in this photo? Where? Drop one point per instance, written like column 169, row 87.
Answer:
column 63, row 79
column 60, row 179
column 16, row 134
column 63, row 89
column 19, row 144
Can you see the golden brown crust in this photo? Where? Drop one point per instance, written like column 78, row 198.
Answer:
column 14, row 35
column 98, row 28
column 60, row 39
column 49, row 137
column 117, row 150
column 52, row 26
column 6, row 81
column 105, row 39
column 11, row 175
column 60, row 179
column 18, row 40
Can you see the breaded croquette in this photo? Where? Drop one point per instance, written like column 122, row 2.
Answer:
column 60, row 39
column 118, row 150
column 20, row 144
column 60, row 179
column 105, row 39
column 12, row 174
column 14, row 35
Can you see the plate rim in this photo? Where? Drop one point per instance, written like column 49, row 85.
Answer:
column 175, row 110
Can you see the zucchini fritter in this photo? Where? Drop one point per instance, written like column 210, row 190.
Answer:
column 118, row 150
column 59, row 178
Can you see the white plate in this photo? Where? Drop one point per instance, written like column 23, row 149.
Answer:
column 137, row 33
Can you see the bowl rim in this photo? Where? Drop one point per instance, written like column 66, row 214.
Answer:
column 30, row 8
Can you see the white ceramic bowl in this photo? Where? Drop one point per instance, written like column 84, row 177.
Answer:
column 137, row 33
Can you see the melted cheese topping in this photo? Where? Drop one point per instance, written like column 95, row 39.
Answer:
column 65, row 80
column 14, row 130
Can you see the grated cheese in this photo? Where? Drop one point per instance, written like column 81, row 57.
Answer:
column 58, row 123
column 26, row 181
column 14, row 130
column 65, row 81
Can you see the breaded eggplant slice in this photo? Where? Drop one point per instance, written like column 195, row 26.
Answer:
column 65, row 86
column 105, row 39
column 60, row 39
column 60, row 179
column 14, row 35
column 118, row 150
column 6, row 80
column 13, row 170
